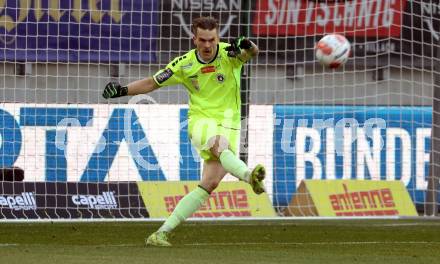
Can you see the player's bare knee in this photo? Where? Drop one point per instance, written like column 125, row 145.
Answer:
column 209, row 186
column 213, row 185
column 222, row 144
column 218, row 144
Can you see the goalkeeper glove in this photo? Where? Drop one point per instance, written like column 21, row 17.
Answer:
column 113, row 90
column 237, row 45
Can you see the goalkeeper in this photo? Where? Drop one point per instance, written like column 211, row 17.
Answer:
column 211, row 74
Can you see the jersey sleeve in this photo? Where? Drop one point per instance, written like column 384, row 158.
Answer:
column 170, row 75
column 236, row 62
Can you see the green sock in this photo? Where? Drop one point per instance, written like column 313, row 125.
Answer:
column 234, row 165
column 185, row 208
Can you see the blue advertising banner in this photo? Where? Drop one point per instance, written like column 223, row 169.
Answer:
column 107, row 143
column 350, row 142
column 78, row 31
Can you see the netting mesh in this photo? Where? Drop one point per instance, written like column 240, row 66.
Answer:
column 369, row 119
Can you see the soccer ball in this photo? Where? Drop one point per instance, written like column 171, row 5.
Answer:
column 332, row 50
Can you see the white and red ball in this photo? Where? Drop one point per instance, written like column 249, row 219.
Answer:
column 332, row 50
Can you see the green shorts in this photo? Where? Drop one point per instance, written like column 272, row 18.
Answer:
column 201, row 130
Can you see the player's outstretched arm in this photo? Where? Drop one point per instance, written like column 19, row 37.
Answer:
column 114, row 89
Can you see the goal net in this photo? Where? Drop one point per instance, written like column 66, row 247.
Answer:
column 66, row 153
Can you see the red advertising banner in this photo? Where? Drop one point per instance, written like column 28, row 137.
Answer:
column 365, row 18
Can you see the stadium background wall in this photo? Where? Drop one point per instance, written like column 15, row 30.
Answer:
column 281, row 74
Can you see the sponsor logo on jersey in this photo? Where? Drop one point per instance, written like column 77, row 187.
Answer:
column 104, row 201
column 25, row 201
column 195, row 82
column 220, row 78
column 163, row 76
column 208, row 69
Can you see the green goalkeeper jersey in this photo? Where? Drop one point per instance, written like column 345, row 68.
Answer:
column 213, row 87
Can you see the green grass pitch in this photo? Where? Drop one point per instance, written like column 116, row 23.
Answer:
column 291, row 241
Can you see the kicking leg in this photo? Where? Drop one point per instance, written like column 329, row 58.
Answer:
column 232, row 164
column 213, row 173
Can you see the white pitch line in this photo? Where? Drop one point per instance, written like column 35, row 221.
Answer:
column 263, row 243
column 43, row 245
column 408, row 224
column 123, row 245
column 310, row 243
column 8, row 245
